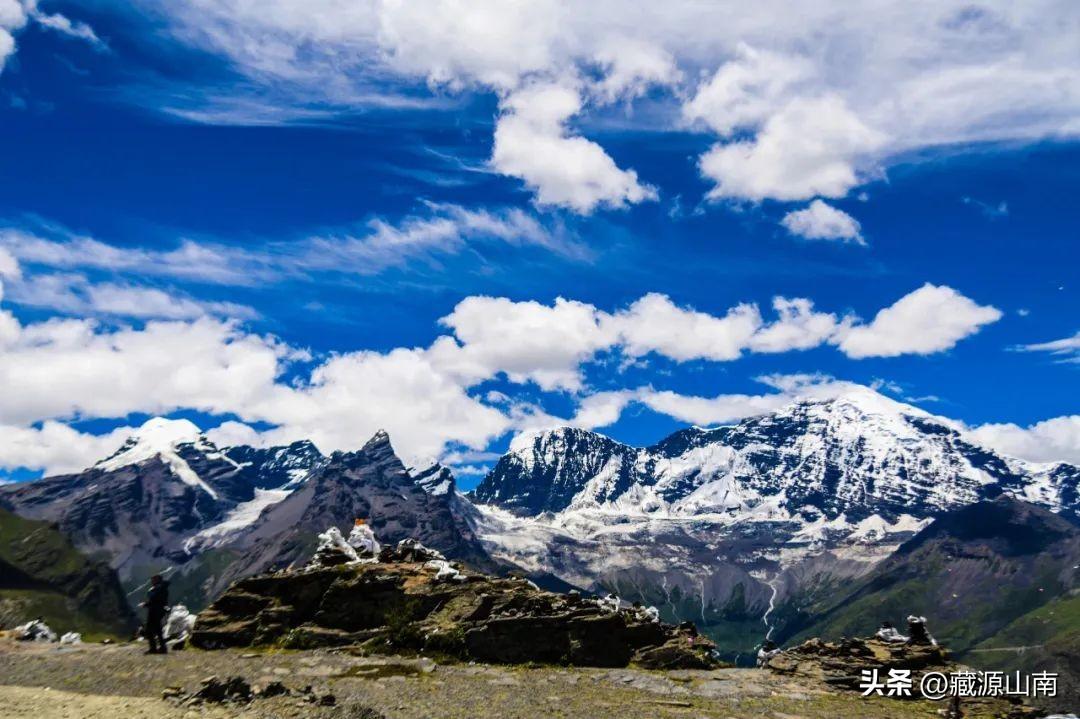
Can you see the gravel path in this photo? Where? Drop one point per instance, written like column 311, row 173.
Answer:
column 120, row 682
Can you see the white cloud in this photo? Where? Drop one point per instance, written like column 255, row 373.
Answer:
column 351, row 396
column 821, row 221
column 9, row 269
column 15, row 15
column 62, row 24
column 67, row 368
column 532, row 143
column 12, row 19
column 55, row 447
column 746, row 91
column 799, row 327
column 74, row 294
column 424, row 396
column 212, row 264
column 528, row 341
column 9, row 266
column 438, row 231
column 840, row 89
column 447, row 230
column 486, row 41
column 631, row 66
column 655, row 324
column 1052, row 440
column 1067, row 348
column 930, row 319
column 809, row 147
column 712, row 410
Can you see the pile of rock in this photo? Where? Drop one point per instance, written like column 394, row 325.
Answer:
column 842, row 663
column 413, row 599
column 236, row 690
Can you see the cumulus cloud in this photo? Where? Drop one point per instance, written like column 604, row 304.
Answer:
column 930, row 319
column 1066, row 349
column 532, row 143
column 60, row 368
column 428, row 398
column 821, row 221
column 799, row 327
column 712, row 410
column 746, row 90
column 631, row 66
column 655, row 324
column 802, row 103
column 12, row 19
column 809, row 147
column 528, row 341
column 56, row 448
column 1053, row 440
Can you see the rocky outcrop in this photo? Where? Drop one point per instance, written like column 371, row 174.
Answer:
column 841, row 663
column 408, row 602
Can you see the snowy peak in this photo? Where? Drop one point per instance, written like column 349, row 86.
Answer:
column 164, row 439
column 155, row 436
column 857, row 454
column 547, row 470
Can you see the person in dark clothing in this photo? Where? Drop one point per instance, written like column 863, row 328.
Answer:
column 157, row 608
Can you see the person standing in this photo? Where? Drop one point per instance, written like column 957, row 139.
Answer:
column 157, row 608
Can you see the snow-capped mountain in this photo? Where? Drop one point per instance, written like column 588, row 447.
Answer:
column 170, row 500
column 372, row 484
column 166, row 491
column 723, row 525
column 857, row 455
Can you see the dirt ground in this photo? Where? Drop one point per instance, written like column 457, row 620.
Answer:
column 95, row 681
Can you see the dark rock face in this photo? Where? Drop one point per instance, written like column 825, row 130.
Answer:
column 371, row 483
column 134, row 515
column 390, row 606
column 140, row 515
column 272, row 467
column 547, row 475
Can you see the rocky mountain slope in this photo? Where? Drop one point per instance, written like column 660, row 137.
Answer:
column 979, row 574
column 736, row 526
column 371, row 483
column 42, row 574
column 166, row 487
column 171, row 501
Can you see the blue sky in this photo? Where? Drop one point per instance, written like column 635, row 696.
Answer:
column 292, row 225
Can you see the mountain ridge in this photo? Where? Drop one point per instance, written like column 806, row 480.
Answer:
column 733, row 527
